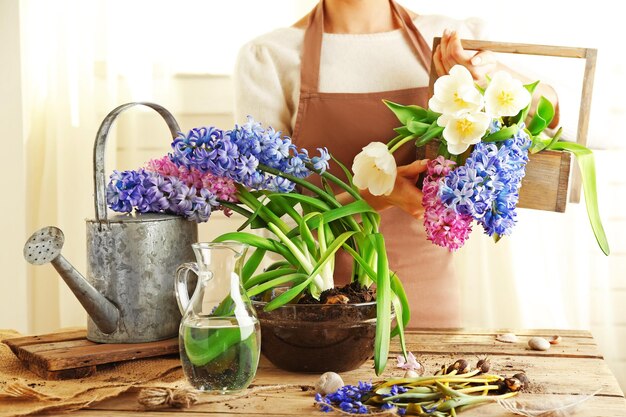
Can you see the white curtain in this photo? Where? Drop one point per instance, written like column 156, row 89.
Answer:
column 79, row 63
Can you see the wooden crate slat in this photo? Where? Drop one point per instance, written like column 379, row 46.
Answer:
column 46, row 338
column 70, row 355
column 107, row 353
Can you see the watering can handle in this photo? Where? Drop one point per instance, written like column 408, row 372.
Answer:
column 100, row 145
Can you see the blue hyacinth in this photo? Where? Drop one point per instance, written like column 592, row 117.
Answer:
column 347, row 398
column 237, row 154
column 487, row 186
column 147, row 191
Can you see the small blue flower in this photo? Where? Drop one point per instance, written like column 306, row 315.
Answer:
column 320, row 163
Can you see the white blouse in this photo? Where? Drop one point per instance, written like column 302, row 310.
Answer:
column 267, row 73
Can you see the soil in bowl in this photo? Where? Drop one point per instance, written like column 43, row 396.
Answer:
column 314, row 337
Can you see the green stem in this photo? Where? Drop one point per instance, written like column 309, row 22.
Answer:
column 400, row 143
column 292, row 248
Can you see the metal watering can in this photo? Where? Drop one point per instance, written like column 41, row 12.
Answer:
column 132, row 260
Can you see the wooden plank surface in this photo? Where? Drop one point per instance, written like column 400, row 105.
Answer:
column 574, row 367
column 67, row 355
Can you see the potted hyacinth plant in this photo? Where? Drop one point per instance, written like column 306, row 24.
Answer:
column 262, row 175
column 484, row 145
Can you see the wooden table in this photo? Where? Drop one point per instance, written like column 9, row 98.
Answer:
column 575, row 366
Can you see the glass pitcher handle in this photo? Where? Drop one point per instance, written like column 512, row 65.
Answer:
column 181, row 287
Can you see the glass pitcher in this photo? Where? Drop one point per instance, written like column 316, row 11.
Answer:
column 219, row 335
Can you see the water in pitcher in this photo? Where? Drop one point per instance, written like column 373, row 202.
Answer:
column 219, row 354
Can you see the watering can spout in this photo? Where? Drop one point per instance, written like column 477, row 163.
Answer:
column 44, row 246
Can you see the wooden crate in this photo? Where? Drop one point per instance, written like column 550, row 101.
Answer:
column 547, row 180
column 69, row 355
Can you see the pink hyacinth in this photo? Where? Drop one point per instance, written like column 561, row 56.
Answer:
column 223, row 188
column 444, row 227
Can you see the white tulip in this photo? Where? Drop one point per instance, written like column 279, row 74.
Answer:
column 456, row 93
column 375, row 169
column 505, row 95
column 462, row 131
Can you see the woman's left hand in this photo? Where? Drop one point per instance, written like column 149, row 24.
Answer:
column 450, row 52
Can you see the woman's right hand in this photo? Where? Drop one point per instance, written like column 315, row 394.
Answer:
column 405, row 194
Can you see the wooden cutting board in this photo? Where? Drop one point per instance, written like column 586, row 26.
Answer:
column 69, row 355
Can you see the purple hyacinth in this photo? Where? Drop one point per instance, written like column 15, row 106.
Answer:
column 487, row 186
column 150, row 192
column 236, row 154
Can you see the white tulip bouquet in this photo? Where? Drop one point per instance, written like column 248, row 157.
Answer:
column 484, row 147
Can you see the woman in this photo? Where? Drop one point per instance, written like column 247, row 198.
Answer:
column 322, row 80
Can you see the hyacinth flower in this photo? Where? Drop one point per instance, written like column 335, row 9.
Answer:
column 483, row 131
column 444, row 226
column 254, row 171
column 150, row 192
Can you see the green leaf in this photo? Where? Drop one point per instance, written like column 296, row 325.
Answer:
column 398, row 290
column 502, row 134
column 253, row 217
column 383, row 306
column 539, row 143
column 251, row 201
column 347, row 211
column 306, row 234
column 531, row 87
column 276, row 282
column 277, row 265
column 587, row 165
column 542, row 117
column 402, row 131
column 256, row 224
column 543, row 141
column 346, row 172
column 312, row 201
column 288, row 295
column 434, row 131
column 417, row 128
column 258, row 242
column 406, row 113
column 252, row 264
column 556, row 137
column 267, row 276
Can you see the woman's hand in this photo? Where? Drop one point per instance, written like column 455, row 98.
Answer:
column 405, row 194
column 450, row 52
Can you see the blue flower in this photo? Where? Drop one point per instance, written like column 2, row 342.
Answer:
column 320, row 163
column 149, row 192
column 487, row 186
column 237, row 154
column 280, row 185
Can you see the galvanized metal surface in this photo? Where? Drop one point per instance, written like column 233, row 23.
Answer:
column 133, row 265
column 45, row 246
column 131, row 260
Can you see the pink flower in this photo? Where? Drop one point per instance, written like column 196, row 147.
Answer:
column 410, row 363
column 444, row 226
column 223, row 188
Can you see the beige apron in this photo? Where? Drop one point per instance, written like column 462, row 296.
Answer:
column 345, row 123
